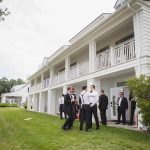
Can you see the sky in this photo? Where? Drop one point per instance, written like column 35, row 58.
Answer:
column 37, row 28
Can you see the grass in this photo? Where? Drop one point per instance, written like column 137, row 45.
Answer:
column 43, row 132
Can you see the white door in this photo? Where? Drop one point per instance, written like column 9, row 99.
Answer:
column 114, row 94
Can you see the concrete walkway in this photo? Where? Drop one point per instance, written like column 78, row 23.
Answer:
column 131, row 127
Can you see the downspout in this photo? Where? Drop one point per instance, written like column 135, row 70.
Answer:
column 138, row 37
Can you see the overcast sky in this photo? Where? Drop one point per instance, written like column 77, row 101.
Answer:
column 37, row 28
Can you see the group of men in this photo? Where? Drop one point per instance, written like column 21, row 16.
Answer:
column 86, row 107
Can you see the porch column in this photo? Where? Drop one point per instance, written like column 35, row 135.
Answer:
column 51, row 75
column 29, row 103
column 42, row 78
column 67, row 67
column 92, row 56
column 111, row 56
column 51, row 101
column 40, row 102
column 3, row 99
column 64, row 89
column 34, row 102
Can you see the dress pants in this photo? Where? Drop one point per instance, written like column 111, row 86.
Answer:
column 68, row 123
column 132, row 114
column 94, row 111
column 85, row 116
column 103, row 116
column 121, row 112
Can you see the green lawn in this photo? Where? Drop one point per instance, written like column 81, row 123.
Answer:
column 43, row 132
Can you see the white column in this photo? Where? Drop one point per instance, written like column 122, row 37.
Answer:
column 40, row 102
column 67, row 67
column 42, row 79
column 112, row 56
column 78, row 72
column 92, row 56
column 51, row 75
column 51, row 101
column 34, row 102
column 3, row 99
column 29, row 103
column 64, row 89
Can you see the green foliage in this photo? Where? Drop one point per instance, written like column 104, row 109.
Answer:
column 141, row 90
column 8, row 105
column 25, row 105
column 6, row 85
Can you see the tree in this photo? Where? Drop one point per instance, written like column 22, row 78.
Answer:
column 6, row 85
column 3, row 12
column 141, row 90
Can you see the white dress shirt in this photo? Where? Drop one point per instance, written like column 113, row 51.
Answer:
column 84, row 98
column 61, row 100
column 120, row 99
column 94, row 97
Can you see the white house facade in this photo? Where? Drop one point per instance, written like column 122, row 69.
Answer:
column 106, row 53
column 18, row 95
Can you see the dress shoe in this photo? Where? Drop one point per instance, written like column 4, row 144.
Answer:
column 63, row 128
column 123, row 124
column 117, row 123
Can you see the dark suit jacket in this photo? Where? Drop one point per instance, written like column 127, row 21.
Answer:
column 124, row 103
column 67, row 103
column 103, row 102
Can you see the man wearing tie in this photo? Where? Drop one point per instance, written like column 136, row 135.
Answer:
column 68, row 109
column 61, row 107
column 122, row 107
column 103, row 103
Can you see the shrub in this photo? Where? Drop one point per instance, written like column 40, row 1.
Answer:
column 8, row 105
column 141, row 90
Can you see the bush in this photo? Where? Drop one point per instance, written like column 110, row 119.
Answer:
column 141, row 90
column 25, row 105
column 8, row 105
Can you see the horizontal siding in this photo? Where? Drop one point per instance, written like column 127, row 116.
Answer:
column 144, row 26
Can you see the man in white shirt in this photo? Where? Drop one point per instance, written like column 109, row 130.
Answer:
column 85, row 109
column 61, row 107
column 94, row 97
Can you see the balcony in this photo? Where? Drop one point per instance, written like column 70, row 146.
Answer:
column 32, row 88
column 79, row 69
column 103, row 60
column 124, row 52
column 59, row 77
column 38, row 86
column 46, row 82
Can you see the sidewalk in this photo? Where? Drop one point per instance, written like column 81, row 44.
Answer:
column 131, row 127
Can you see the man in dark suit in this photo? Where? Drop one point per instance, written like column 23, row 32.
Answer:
column 103, row 103
column 122, row 107
column 133, row 106
column 68, row 109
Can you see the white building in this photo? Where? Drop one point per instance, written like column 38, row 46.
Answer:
column 18, row 95
column 106, row 53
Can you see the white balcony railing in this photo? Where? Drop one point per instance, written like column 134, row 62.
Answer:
column 103, row 60
column 46, row 82
column 73, row 72
column 83, row 68
column 59, row 77
column 124, row 52
column 32, row 88
column 38, row 86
